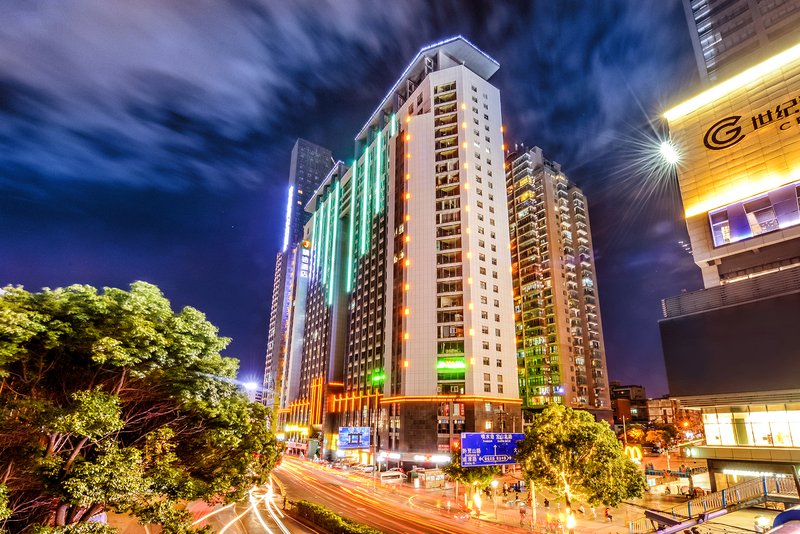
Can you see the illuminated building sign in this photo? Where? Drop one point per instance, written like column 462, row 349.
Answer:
column 353, row 437
column 634, row 452
column 487, row 448
column 738, row 140
column 451, row 364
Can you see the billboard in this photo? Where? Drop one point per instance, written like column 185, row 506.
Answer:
column 738, row 145
column 353, row 437
column 489, row 448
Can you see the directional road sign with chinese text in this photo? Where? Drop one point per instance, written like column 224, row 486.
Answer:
column 489, row 448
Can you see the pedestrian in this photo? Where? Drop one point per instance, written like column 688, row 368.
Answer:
column 522, row 513
column 447, row 506
column 516, row 496
column 582, row 510
column 546, row 503
column 608, row 515
column 594, row 512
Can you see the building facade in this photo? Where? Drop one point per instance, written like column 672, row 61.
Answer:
column 409, row 322
column 629, row 402
column 309, row 164
column 730, row 349
column 560, row 351
column 731, row 35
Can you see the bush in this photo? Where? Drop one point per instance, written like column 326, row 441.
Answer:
column 330, row 521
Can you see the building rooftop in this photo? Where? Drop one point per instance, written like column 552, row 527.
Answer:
column 458, row 48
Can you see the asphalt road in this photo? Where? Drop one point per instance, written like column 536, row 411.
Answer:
column 391, row 509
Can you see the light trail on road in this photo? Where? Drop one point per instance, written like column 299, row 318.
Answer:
column 392, row 512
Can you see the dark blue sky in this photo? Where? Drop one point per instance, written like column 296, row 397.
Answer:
column 150, row 140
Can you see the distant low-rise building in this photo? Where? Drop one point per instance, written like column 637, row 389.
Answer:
column 629, row 403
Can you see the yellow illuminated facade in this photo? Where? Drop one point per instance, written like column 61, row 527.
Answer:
column 739, row 171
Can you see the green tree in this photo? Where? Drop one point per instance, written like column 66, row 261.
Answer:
column 473, row 478
column 112, row 401
column 571, row 454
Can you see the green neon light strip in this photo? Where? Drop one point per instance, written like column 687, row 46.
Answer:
column 393, row 125
column 313, row 243
column 335, row 217
column 352, row 225
column 451, row 364
column 364, row 202
column 324, row 237
column 378, row 173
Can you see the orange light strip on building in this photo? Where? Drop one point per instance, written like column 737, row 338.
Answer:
column 338, row 403
column 737, row 82
column 447, row 398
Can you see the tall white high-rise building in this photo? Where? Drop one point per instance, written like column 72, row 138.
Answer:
column 409, row 320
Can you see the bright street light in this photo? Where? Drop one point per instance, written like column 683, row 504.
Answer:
column 250, row 386
column 669, row 153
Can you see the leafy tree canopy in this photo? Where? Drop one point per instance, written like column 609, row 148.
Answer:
column 111, row 400
column 473, row 477
column 571, row 454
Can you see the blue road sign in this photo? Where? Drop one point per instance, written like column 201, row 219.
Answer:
column 489, row 448
column 353, row 437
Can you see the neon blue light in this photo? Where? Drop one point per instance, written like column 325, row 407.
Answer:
column 287, row 223
column 351, row 229
column 364, row 202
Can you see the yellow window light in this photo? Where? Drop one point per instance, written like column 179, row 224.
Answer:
column 408, row 262
column 408, row 137
column 405, row 364
column 732, row 84
column 407, row 311
column 463, row 105
column 464, row 125
column 408, row 217
column 407, row 287
column 408, row 238
column 406, row 336
column 408, row 196
column 466, row 186
column 470, row 306
column 469, row 280
column 408, row 176
column 472, row 331
column 466, row 165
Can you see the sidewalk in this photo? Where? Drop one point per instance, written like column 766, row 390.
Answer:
column 509, row 514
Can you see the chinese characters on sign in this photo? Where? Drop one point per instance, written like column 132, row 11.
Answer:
column 489, row 448
column 728, row 131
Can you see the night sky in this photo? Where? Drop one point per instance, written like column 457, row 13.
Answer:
column 150, row 140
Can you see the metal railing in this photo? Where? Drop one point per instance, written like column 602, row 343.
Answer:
column 750, row 491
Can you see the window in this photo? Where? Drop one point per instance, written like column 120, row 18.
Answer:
column 482, row 257
column 491, row 209
column 485, row 360
column 480, row 216
column 480, row 192
column 485, row 116
column 494, row 248
column 419, row 100
column 483, row 270
column 487, row 377
column 474, row 89
column 491, row 221
column 497, row 332
column 484, row 315
column 484, row 300
column 494, row 261
column 494, row 274
column 481, row 243
column 499, row 362
column 497, row 317
column 475, row 99
column 484, row 329
column 483, row 285
column 492, row 235
column 480, row 204
column 499, row 388
column 496, row 303
column 499, row 378
column 498, row 347
column 495, row 289
column 487, row 388
column 480, row 230
column 491, row 197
